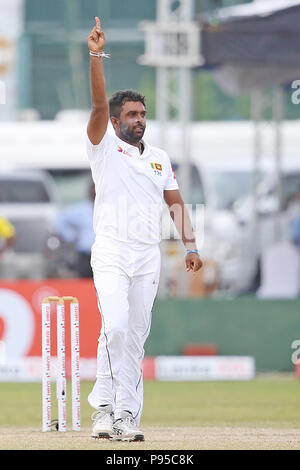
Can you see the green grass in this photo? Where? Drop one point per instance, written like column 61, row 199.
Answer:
column 268, row 401
column 212, row 415
column 259, row 402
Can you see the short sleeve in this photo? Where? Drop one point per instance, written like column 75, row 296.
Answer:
column 171, row 181
column 100, row 149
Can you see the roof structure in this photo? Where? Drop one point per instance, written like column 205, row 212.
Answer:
column 253, row 45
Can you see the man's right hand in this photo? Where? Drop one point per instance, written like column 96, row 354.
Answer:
column 96, row 39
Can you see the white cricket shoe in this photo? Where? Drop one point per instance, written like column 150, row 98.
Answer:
column 103, row 422
column 124, row 429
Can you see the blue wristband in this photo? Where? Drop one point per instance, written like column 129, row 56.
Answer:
column 193, row 251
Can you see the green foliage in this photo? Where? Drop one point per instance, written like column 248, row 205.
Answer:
column 211, row 103
column 52, row 80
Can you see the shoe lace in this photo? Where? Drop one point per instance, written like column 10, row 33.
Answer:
column 98, row 414
column 127, row 421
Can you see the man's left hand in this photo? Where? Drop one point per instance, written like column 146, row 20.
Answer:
column 193, row 262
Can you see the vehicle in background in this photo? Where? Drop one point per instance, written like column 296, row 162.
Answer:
column 214, row 189
column 270, row 222
column 28, row 201
column 72, row 187
column 225, row 242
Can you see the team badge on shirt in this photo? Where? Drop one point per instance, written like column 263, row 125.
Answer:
column 156, row 166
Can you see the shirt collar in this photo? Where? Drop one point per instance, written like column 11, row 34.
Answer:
column 134, row 151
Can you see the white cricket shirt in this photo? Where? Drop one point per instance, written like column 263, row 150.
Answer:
column 129, row 189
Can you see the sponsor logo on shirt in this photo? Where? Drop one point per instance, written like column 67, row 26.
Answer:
column 124, row 151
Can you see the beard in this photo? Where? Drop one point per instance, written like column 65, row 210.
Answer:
column 132, row 133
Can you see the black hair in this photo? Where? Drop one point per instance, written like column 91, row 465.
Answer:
column 122, row 96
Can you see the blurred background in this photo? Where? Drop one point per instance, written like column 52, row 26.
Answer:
column 221, row 79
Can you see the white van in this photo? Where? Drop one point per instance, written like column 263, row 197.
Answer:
column 28, row 201
column 215, row 187
column 273, row 217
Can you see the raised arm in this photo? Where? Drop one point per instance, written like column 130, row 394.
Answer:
column 100, row 113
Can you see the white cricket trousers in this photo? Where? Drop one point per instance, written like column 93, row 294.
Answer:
column 126, row 279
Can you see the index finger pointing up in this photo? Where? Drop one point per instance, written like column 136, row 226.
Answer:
column 98, row 24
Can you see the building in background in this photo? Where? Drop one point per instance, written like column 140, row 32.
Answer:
column 54, row 63
column 11, row 23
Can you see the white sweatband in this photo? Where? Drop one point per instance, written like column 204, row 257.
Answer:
column 100, row 54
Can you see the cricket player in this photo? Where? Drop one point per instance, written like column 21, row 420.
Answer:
column 132, row 180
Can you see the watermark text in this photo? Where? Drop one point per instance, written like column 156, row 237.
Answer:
column 296, row 94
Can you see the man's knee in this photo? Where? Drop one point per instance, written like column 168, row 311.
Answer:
column 117, row 332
